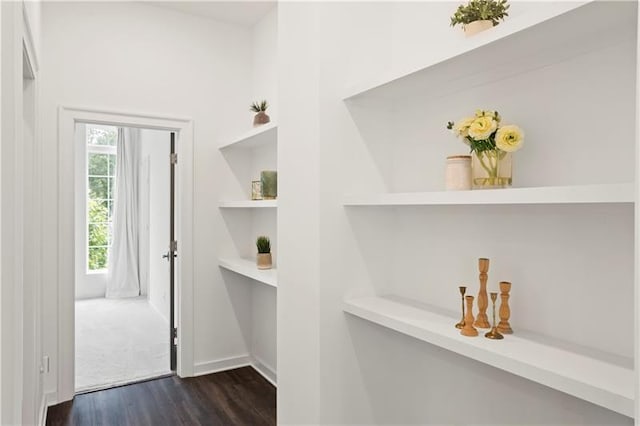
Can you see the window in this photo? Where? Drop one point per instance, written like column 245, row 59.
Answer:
column 101, row 171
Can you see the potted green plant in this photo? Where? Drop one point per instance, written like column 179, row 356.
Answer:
column 261, row 116
column 480, row 15
column 264, row 260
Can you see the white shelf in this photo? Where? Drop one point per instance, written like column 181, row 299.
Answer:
column 248, row 204
column 249, row 269
column 259, row 136
column 599, row 382
column 582, row 194
column 536, row 39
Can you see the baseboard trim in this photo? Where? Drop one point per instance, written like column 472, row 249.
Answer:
column 265, row 371
column 217, row 366
column 209, row 367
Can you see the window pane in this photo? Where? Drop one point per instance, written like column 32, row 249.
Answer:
column 98, row 187
column 102, row 135
column 98, row 211
column 98, row 234
column 112, row 165
column 97, row 258
column 99, row 164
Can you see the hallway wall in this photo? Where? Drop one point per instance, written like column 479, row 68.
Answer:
column 131, row 57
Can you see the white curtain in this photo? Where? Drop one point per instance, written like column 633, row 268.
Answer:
column 123, row 277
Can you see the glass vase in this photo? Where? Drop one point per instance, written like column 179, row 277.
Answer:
column 491, row 169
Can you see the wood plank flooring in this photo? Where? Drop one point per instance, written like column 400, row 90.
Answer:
column 234, row 397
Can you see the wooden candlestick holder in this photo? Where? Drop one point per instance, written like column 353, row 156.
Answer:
column 494, row 333
column 467, row 328
column 482, row 321
column 463, row 290
column 505, row 312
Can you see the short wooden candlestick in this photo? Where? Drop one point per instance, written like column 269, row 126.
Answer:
column 463, row 290
column 494, row 334
column 505, row 312
column 467, row 328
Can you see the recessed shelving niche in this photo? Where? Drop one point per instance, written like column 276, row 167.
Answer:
column 529, row 42
column 582, row 375
column 558, row 237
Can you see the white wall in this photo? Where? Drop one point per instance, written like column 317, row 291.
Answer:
column 336, row 369
column 156, row 148
column 132, row 57
column 21, row 387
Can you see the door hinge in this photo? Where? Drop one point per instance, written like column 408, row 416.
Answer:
column 174, row 158
column 173, row 246
column 175, row 336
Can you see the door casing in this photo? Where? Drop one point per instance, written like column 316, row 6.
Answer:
column 183, row 127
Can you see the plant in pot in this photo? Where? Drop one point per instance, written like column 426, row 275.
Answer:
column 480, row 15
column 261, row 116
column 264, row 260
column 492, row 144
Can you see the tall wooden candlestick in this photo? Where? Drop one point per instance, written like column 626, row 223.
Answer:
column 467, row 328
column 463, row 290
column 482, row 321
column 505, row 312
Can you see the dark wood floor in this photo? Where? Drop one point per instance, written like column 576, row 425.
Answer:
column 235, row 397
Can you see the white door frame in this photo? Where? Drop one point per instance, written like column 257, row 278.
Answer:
column 67, row 118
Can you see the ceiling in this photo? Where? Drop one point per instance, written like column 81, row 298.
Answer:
column 240, row 12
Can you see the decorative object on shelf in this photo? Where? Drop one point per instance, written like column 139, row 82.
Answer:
column 463, row 290
column 256, row 190
column 467, row 328
column 494, row 334
column 269, row 179
column 480, row 15
column 261, row 116
column 491, row 144
column 481, row 320
column 458, row 173
column 264, row 260
column 505, row 312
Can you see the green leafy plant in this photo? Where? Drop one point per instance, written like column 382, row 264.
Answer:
column 259, row 106
column 480, row 10
column 264, row 244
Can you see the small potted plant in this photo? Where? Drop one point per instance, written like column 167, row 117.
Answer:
column 261, row 116
column 492, row 144
column 480, row 15
column 264, row 260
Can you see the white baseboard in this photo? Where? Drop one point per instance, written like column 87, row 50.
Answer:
column 208, row 367
column 265, row 370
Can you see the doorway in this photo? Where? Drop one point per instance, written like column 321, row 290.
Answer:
column 125, row 254
column 68, row 116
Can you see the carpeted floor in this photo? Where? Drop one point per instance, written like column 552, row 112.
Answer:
column 119, row 341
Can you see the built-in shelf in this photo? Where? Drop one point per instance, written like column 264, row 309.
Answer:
column 263, row 135
column 580, row 194
column 522, row 43
column 583, row 376
column 249, row 269
column 248, row 204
